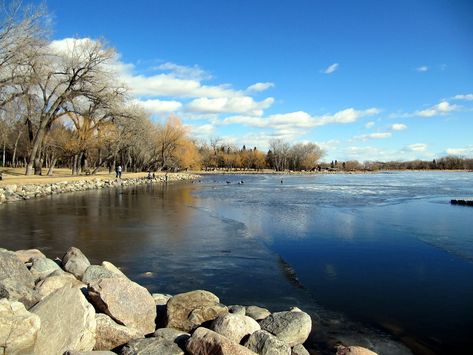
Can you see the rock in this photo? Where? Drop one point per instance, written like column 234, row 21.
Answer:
column 28, row 254
column 67, row 322
column 89, row 353
column 160, row 299
column 235, row 326
column 206, row 342
column 18, row 328
column 11, row 267
column 177, row 336
column 52, row 283
column 110, row 334
column 354, row 350
column 265, row 343
column 299, row 350
column 75, row 262
column 125, row 301
column 16, row 291
column 151, row 346
column 95, row 272
column 42, row 267
column 110, row 267
column 291, row 327
column 236, row 309
column 257, row 313
column 187, row 311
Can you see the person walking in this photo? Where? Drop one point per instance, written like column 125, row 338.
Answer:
column 118, row 171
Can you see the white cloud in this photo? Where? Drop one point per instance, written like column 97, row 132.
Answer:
column 259, row 87
column 422, row 68
column 184, row 72
column 442, row 108
column 467, row 97
column 202, row 131
column 159, row 106
column 465, row 151
column 331, row 68
column 369, row 124
column 348, row 115
column 417, row 147
column 238, row 104
column 398, row 127
column 379, row 135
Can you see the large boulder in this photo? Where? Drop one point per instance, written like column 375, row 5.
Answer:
column 174, row 335
column 18, row 328
column 291, row 327
column 299, row 350
column 237, row 309
column 43, row 267
column 96, row 272
column 265, row 343
column 56, row 281
column 151, row 346
column 235, row 326
column 257, row 313
column 28, row 254
column 110, row 334
column 75, row 262
column 89, row 353
column 354, row 350
column 16, row 282
column 110, row 267
column 207, row 342
column 187, row 311
column 125, row 301
column 67, row 322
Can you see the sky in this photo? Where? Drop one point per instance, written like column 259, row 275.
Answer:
column 366, row 80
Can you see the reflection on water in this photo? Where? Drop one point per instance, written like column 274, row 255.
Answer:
column 386, row 250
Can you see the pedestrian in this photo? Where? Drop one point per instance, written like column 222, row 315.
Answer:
column 119, row 171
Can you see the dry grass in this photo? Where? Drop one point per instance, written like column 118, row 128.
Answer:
column 16, row 176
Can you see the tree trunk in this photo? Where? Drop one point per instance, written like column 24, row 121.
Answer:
column 51, row 167
column 4, row 154
column 33, row 160
column 74, row 164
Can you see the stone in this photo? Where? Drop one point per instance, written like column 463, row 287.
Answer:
column 291, row 327
column 234, row 326
column 95, row 272
column 110, row 267
column 18, row 328
column 56, row 281
column 11, row 267
column 89, row 353
column 177, row 336
column 160, row 299
column 151, row 346
column 28, row 254
column 110, row 334
column 236, row 309
column 16, row 291
column 187, row 311
column 257, row 313
column 75, row 262
column 67, row 322
column 125, row 301
column 207, row 342
column 264, row 343
column 42, row 267
column 354, row 350
column 299, row 350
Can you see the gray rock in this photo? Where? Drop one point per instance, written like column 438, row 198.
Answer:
column 187, row 311
column 56, row 281
column 207, row 342
column 11, row 267
column 291, row 327
column 18, row 328
column 89, row 353
column 177, row 336
column 110, row 334
column 234, row 326
column 75, row 262
column 236, row 309
column 151, row 346
column 110, row 267
column 257, row 313
column 16, row 291
column 28, row 254
column 299, row 350
column 265, row 343
column 67, row 322
column 95, row 272
column 354, row 350
column 125, row 301
column 42, row 267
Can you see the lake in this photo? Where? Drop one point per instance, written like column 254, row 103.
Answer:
column 381, row 260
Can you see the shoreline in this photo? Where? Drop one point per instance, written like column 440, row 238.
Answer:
column 12, row 192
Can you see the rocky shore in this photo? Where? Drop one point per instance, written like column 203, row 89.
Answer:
column 12, row 193
column 68, row 306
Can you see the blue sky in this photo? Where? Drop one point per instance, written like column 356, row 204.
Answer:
column 366, row 80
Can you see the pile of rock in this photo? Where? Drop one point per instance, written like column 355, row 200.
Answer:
column 11, row 193
column 70, row 306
